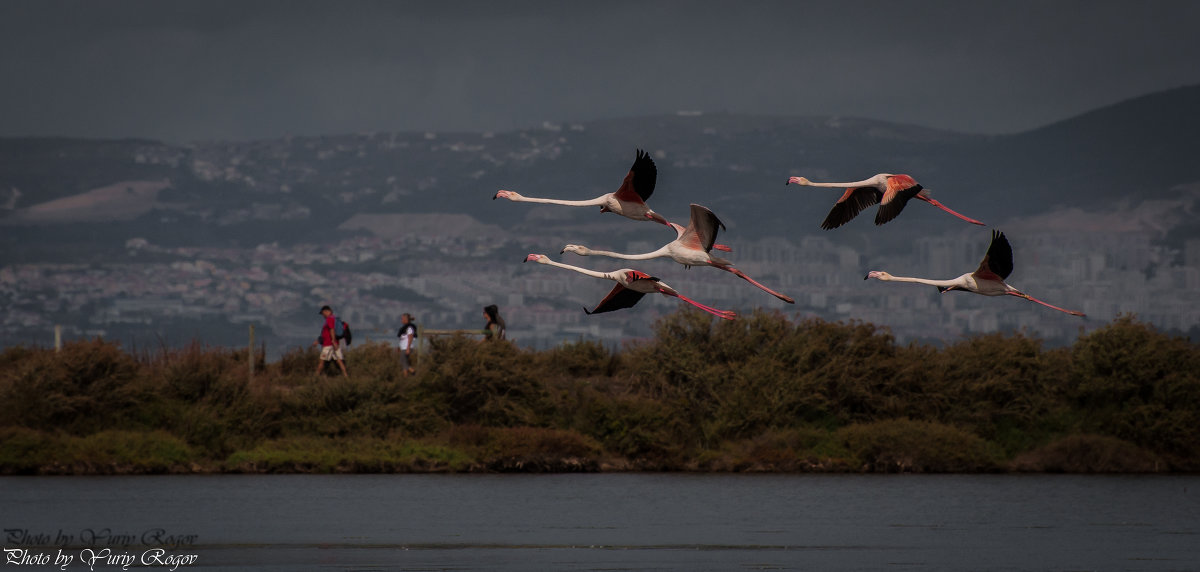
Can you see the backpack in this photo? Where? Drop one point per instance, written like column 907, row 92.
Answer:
column 410, row 325
column 341, row 330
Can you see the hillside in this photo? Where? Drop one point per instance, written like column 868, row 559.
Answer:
column 301, row 214
column 733, row 163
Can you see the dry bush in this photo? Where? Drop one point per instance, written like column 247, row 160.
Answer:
column 1089, row 454
column 489, row 383
column 527, row 449
column 86, row 386
column 906, row 446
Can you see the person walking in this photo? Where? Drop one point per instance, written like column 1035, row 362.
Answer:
column 407, row 335
column 494, row 328
column 330, row 348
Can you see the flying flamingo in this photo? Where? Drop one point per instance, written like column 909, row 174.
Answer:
column 691, row 247
column 629, row 200
column 988, row 279
column 631, row 286
column 892, row 192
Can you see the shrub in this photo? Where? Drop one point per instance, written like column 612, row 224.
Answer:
column 191, row 373
column 902, row 445
column 25, row 451
column 1089, row 454
column 488, row 383
column 351, row 455
column 791, row 450
column 527, row 448
column 87, row 385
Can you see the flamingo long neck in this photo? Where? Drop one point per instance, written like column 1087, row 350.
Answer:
column 644, row 256
column 872, row 182
column 585, row 271
column 943, row 283
column 588, row 203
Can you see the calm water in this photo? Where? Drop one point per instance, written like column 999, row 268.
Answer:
column 617, row 522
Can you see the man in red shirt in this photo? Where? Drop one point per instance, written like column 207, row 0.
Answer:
column 330, row 348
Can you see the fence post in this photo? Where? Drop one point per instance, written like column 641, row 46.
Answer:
column 57, row 339
column 250, row 351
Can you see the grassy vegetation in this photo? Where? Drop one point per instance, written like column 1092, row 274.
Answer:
column 763, row 393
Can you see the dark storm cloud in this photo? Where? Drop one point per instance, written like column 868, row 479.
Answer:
column 201, row 70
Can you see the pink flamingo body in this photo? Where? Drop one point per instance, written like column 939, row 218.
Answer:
column 988, row 279
column 631, row 286
column 691, row 247
column 892, row 192
column 628, row 201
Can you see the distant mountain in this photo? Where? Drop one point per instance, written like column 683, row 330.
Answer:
column 137, row 239
column 272, row 190
column 1136, row 149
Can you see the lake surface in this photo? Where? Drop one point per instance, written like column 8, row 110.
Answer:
column 669, row 522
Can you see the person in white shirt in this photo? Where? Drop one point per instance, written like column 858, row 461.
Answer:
column 407, row 335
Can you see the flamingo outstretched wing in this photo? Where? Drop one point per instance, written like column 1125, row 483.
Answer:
column 900, row 189
column 999, row 258
column 620, row 297
column 639, row 182
column 701, row 231
column 852, row 202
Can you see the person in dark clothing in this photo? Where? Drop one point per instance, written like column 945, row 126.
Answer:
column 495, row 324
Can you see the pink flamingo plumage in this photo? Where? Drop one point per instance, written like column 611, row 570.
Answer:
column 892, row 192
column 691, row 247
column 631, row 286
column 988, row 279
column 628, row 201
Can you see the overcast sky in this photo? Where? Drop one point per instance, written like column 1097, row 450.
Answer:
column 184, row 70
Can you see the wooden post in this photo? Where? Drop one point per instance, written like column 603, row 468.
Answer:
column 57, row 339
column 250, row 351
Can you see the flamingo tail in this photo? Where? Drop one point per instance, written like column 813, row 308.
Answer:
column 743, row 276
column 1032, row 299
column 947, row 209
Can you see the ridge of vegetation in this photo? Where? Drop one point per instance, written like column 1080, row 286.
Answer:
column 762, row 393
